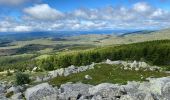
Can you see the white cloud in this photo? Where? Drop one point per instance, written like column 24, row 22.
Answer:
column 141, row 7
column 43, row 12
column 22, row 28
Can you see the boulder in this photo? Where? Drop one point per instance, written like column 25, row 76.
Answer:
column 39, row 92
column 107, row 90
column 69, row 90
column 131, row 87
column 166, row 91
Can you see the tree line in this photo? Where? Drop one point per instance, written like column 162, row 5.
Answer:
column 155, row 52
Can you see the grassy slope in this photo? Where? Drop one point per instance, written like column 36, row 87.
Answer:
column 107, row 73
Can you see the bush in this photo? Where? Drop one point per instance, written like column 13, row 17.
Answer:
column 22, row 78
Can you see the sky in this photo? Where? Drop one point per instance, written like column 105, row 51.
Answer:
column 57, row 15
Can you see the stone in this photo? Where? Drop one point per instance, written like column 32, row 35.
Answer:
column 88, row 77
column 2, row 97
column 128, row 97
column 107, row 90
column 76, row 90
column 14, row 89
column 149, row 97
column 2, row 89
column 39, row 91
column 131, row 87
column 143, row 64
column 134, row 64
column 61, row 72
column 166, row 91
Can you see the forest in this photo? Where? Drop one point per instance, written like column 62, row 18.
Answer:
column 154, row 52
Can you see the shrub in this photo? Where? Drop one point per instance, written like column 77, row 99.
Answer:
column 22, row 78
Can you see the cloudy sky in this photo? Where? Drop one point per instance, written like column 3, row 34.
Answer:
column 54, row 15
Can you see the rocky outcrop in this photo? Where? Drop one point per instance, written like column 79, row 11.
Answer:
column 64, row 72
column 128, row 65
column 153, row 89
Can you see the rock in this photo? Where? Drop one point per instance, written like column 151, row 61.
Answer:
column 34, row 69
column 128, row 97
column 17, row 96
column 149, row 97
column 107, row 90
column 14, row 89
column 39, row 91
column 60, row 71
column 2, row 97
column 70, row 70
column 98, row 97
column 166, row 91
column 2, row 89
column 69, row 90
column 143, row 64
column 131, row 87
column 88, row 77
column 112, row 62
column 134, row 64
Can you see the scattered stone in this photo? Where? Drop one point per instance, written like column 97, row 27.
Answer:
column 88, row 77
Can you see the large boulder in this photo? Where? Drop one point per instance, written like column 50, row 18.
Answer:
column 107, row 90
column 40, row 92
column 131, row 87
column 70, row 91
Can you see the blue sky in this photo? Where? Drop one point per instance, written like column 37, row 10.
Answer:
column 53, row 15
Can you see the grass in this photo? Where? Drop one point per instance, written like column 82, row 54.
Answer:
column 107, row 73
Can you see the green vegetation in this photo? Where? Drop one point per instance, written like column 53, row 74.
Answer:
column 107, row 73
column 19, row 62
column 154, row 52
column 22, row 78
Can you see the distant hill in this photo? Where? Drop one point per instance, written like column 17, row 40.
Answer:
column 138, row 32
